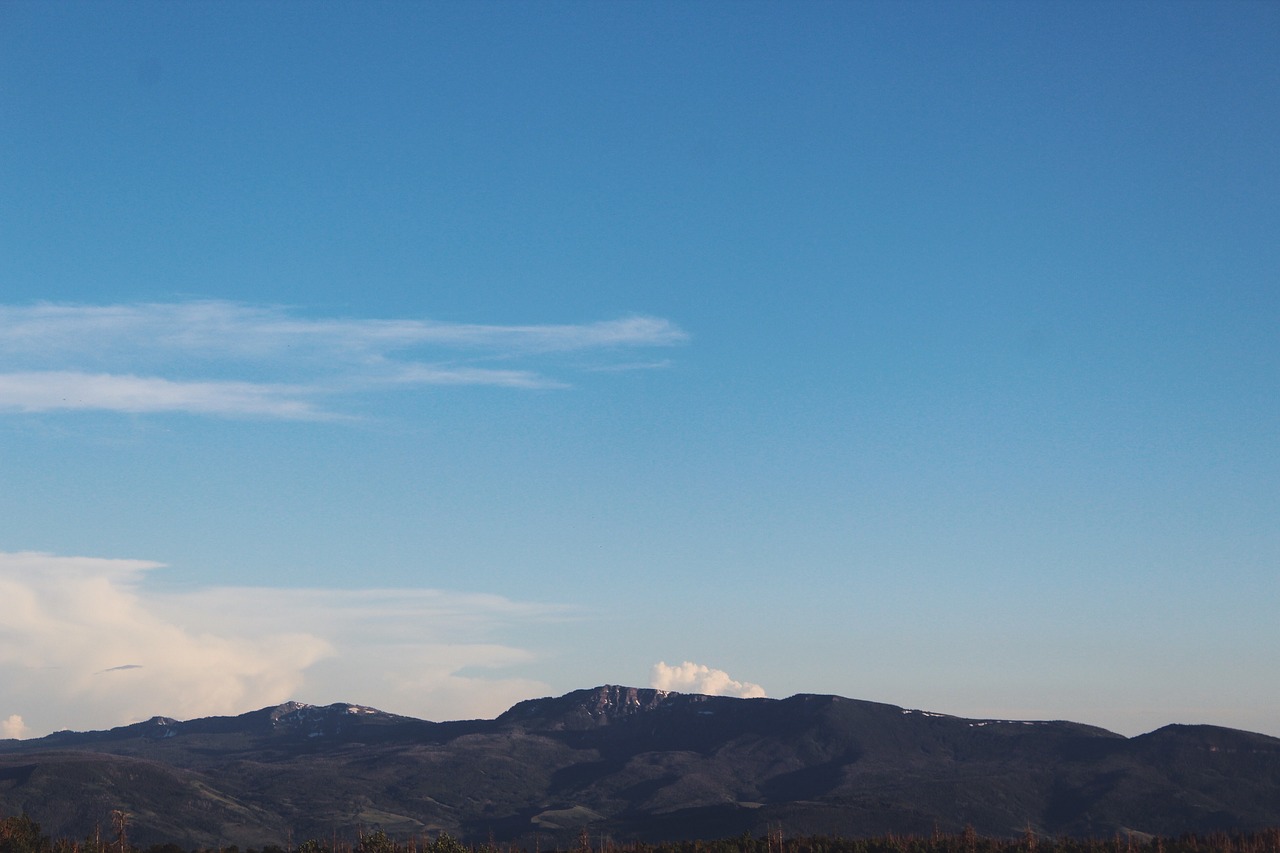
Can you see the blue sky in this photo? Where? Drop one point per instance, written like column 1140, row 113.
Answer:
column 435, row 356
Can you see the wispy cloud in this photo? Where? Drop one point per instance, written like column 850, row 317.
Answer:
column 232, row 359
column 690, row 677
column 425, row 374
column 87, row 644
column 54, row 390
column 624, row 367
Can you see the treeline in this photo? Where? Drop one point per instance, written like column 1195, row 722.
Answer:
column 20, row 834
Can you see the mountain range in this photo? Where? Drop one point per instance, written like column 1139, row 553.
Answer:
column 635, row 764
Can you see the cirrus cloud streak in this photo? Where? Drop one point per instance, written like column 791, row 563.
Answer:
column 55, row 390
column 231, row 359
column 222, row 328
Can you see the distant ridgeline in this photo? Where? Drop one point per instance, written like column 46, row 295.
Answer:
column 620, row 766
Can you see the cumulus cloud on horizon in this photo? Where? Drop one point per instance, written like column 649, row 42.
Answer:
column 231, row 359
column 13, row 727
column 86, row 644
column 689, row 677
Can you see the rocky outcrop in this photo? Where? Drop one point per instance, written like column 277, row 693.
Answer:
column 588, row 709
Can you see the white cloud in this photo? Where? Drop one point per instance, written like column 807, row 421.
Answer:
column 232, row 359
column 632, row 331
column 74, row 621
column 13, row 727
column 236, row 329
column 691, row 677
column 60, row 390
column 426, row 374
column 86, row 644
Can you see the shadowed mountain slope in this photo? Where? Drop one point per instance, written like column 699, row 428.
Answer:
column 636, row 764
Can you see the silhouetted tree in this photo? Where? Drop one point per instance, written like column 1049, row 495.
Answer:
column 21, row 834
column 446, row 843
column 375, row 842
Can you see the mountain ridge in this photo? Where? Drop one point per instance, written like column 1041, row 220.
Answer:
column 637, row 763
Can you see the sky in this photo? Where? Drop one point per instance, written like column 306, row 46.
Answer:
column 435, row 356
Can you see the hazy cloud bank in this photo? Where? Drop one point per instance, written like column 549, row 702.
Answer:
column 85, row 644
column 691, row 677
column 235, row 360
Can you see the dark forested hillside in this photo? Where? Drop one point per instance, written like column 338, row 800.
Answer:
column 637, row 765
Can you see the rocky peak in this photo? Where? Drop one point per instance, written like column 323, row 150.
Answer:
column 589, row 709
column 288, row 711
column 316, row 720
column 156, row 727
